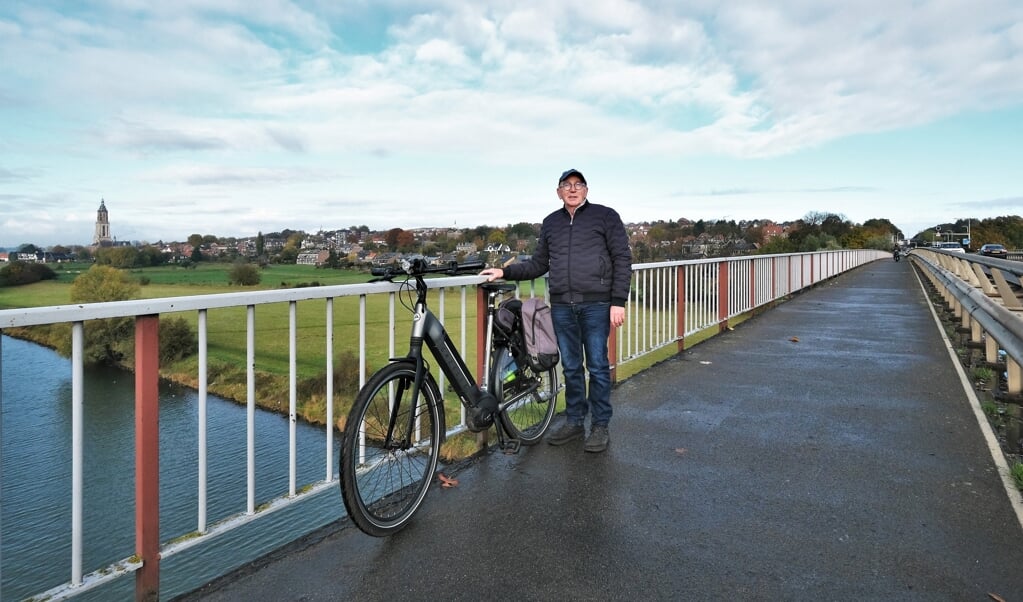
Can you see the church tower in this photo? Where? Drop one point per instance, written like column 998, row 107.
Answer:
column 102, row 235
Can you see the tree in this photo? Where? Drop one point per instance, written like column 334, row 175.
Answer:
column 288, row 254
column 521, row 230
column 497, row 237
column 150, row 256
column 109, row 340
column 118, row 257
column 333, row 262
column 406, row 240
column 391, row 238
column 244, row 274
column 103, row 283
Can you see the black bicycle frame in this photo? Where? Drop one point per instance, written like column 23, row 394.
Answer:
column 426, row 327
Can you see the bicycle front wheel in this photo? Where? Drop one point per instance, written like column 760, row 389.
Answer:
column 528, row 402
column 389, row 450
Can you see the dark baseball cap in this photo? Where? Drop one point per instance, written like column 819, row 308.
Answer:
column 572, row 172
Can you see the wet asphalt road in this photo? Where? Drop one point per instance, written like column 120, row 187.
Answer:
column 847, row 464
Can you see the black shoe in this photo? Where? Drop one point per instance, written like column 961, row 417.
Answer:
column 598, row 439
column 565, row 433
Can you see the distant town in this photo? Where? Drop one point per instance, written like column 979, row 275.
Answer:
column 357, row 246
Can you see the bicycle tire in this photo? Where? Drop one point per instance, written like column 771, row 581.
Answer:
column 383, row 487
column 528, row 417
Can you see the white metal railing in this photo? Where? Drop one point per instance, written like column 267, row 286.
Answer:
column 668, row 302
column 674, row 300
column 79, row 581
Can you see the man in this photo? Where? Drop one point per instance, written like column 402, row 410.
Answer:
column 586, row 250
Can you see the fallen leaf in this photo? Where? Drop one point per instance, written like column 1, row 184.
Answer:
column 996, row 597
column 446, row 481
column 794, row 339
column 704, row 362
column 681, row 451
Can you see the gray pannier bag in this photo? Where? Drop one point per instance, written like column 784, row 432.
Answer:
column 538, row 335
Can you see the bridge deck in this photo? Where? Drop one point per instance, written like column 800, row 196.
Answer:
column 825, row 450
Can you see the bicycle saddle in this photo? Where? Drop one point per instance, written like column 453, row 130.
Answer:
column 499, row 287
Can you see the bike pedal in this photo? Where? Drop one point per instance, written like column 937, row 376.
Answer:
column 511, row 446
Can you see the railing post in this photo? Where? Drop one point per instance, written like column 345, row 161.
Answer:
column 752, row 283
column 680, row 307
column 722, row 296
column 147, row 456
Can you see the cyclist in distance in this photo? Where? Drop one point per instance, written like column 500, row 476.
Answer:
column 585, row 248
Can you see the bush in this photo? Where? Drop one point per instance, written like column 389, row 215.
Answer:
column 244, row 274
column 176, row 340
column 17, row 273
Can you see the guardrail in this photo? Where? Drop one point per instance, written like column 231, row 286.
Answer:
column 984, row 294
column 669, row 302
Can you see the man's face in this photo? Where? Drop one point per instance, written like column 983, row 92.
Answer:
column 572, row 192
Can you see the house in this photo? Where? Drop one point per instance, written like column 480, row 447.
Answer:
column 317, row 258
column 772, row 230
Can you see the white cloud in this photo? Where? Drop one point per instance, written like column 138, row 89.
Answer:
column 208, row 94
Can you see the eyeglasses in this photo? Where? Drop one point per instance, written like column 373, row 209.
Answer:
column 572, row 186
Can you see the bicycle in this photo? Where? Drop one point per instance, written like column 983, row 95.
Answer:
column 391, row 441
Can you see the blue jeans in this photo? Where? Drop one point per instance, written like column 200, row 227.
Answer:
column 582, row 329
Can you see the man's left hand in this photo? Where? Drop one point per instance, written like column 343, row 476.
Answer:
column 617, row 316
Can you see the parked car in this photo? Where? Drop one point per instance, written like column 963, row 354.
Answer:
column 950, row 246
column 993, row 250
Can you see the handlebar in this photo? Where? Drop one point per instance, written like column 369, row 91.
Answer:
column 418, row 266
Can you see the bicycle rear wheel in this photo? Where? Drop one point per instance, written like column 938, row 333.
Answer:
column 528, row 402
column 384, row 478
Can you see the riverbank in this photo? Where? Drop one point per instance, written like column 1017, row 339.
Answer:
column 230, row 381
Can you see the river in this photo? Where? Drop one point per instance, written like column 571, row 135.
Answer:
column 35, row 516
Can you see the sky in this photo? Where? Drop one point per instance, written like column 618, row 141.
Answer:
column 233, row 117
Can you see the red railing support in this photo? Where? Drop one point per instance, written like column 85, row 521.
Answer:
column 147, row 456
column 722, row 296
column 680, row 307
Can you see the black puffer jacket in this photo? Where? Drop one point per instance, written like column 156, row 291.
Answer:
column 587, row 255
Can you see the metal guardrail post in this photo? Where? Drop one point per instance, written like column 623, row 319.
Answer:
column 972, row 304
